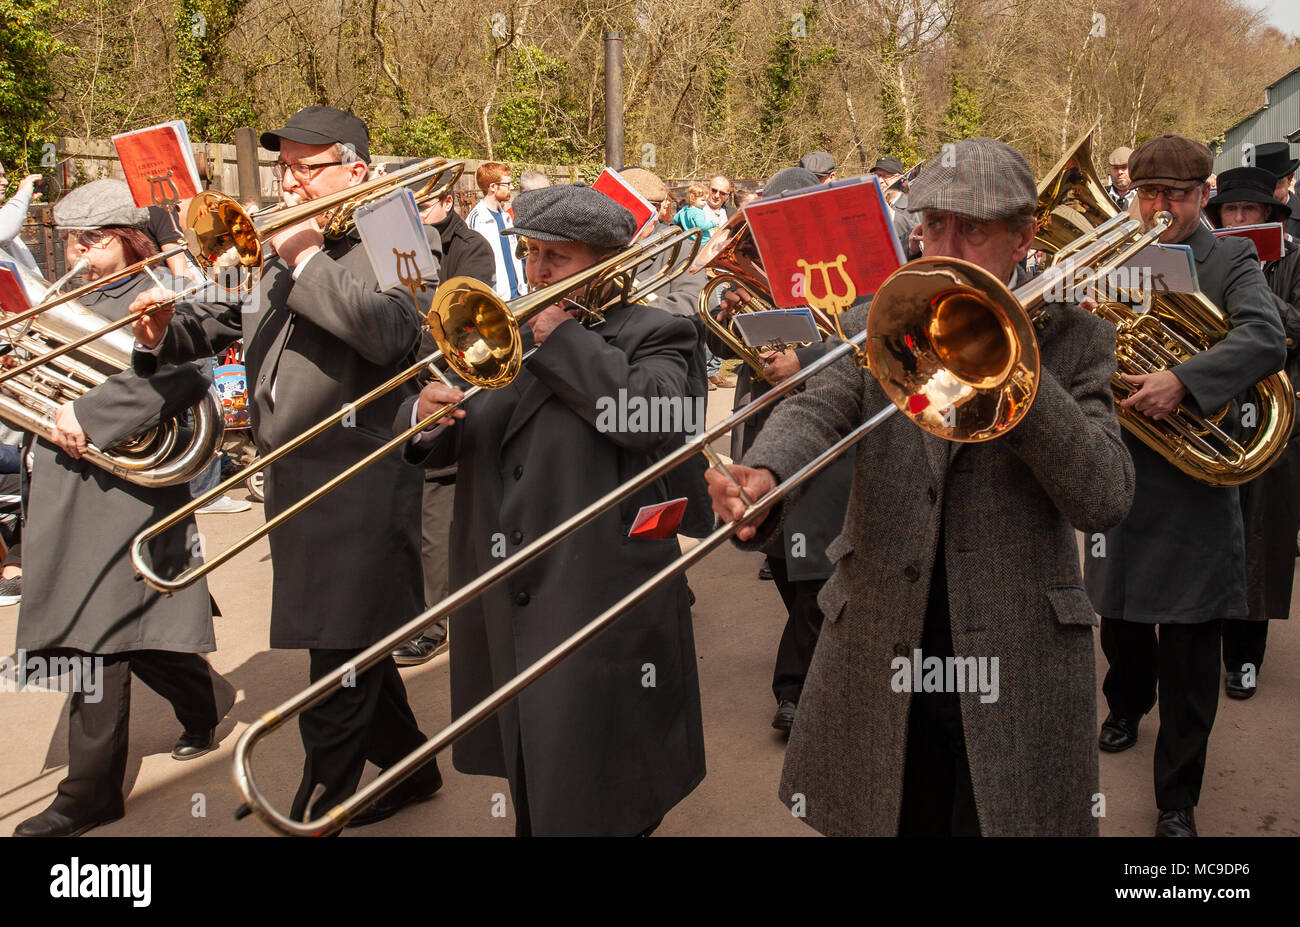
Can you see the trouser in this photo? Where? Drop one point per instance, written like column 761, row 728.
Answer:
column 803, row 625
column 1243, row 644
column 1183, row 662
column 938, row 798
column 368, row 720
column 435, row 548
column 98, row 737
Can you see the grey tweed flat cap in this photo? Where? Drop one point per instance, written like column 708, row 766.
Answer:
column 819, row 162
column 572, row 213
column 980, row 178
column 97, row 204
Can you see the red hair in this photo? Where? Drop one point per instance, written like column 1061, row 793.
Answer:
column 488, row 173
column 136, row 245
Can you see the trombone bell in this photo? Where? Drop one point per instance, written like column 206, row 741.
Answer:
column 476, row 332
column 953, row 349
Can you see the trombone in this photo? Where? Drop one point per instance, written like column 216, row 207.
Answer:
column 221, row 234
column 952, row 347
column 478, row 335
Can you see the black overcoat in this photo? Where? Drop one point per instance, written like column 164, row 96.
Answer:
column 347, row 570
column 612, row 738
column 1179, row 556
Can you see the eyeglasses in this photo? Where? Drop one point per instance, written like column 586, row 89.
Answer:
column 1174, row 196
column 719, row 192
column 302, row 171
column 504, row 183
column 86, row 238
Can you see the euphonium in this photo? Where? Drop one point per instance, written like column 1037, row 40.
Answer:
column 172, row 453
column 1071, row 201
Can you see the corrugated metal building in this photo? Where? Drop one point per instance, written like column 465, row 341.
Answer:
column 1276, row 120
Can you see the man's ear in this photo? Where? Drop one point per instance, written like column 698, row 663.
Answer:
column 1022, row 238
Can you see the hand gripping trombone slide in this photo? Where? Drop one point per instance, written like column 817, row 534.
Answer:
column 951, row 346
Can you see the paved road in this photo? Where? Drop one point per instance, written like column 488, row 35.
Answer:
column 1252, row 785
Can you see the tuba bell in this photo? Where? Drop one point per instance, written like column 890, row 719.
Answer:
column 175, row 452
column 1072, row 201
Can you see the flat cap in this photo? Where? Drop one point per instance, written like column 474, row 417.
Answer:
column 571, row 212
column 787, row 179
column 819, row 162
column 98, row 204
column 1171, row 161
column 980, row 178
column 322, row 125
column 647, row 184
column 1120, row 156
column 1275, row 157
column 890, row 165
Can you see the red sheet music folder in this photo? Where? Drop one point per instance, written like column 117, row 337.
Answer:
column 13, row 299
column 621, row 192
column 1269, row 238
column 158, row 163
column 838, row 238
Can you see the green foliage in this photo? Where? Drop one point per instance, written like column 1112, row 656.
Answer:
column 27, row 53
column 212, row 108
column 429, row 136
column 534, row 120
column 791, row 60
column 964, row 115
column 895, row 138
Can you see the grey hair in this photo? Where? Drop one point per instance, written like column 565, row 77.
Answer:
column 533, row 180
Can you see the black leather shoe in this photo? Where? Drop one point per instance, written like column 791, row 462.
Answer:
column 765, row 573
column 1117, row 734
column 51, row 823
column 421, row 650
column 191, row 745
column 783, row 720
column 1236, row 688
column 1181, row 822
column 396, row 800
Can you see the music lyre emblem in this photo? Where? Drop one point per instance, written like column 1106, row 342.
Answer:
column 829, row 301
column 163, row 192
column 408, row 272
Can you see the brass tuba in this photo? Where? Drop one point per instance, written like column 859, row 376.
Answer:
column 175, row 452
column 1071, row 201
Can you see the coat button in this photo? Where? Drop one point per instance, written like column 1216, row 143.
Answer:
column 911, row 572
column 519, row 472
column 933, row 496
column 521, row 599
column 900, row 650
column 516, row 537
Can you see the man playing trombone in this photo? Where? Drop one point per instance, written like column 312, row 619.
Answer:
column 318, row 333
column 954, row 555
column 611, row 738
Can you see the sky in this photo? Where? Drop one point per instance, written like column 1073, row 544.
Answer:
column 1284, row 14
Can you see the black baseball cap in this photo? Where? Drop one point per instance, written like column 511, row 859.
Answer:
column 891, row 165
column 322, row 125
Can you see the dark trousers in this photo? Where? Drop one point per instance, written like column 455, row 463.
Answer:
column 803, row 625
column 938, row 798
column 1183, row 662
column 370, row 720
column 98, row 737
column 1243, row 643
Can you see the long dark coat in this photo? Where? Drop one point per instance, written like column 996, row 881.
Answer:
column 347, row 570
column 604, row 751
column 1007, row 511
column 1270, row 504
column 1179, row 556
column 79, row 589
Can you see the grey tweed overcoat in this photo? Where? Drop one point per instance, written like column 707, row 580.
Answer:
column 1006, row 511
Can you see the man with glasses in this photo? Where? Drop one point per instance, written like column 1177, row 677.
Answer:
column 491, row 217
column 954, row 552
column 1177, row 560
column 318, row 332
column 716, row 206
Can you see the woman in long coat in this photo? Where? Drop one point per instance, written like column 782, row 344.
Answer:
column 81, row 596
